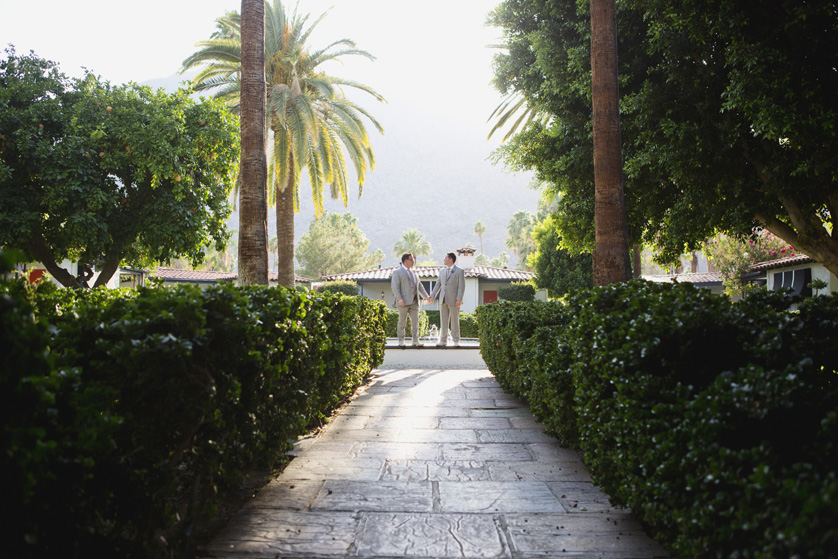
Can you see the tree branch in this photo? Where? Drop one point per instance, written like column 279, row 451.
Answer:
column 38, row 248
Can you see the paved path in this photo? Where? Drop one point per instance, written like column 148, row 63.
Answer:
column 432, row 463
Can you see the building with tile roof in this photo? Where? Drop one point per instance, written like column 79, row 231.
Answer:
column 482, row 282
column 204, row 278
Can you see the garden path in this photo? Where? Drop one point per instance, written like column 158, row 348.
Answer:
column 433, row 463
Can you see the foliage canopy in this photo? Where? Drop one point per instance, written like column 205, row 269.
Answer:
column 728, row 116
column 108, row 175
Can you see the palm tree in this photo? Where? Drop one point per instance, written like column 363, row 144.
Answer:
column 611, row 252
column 412, row 241
column 253, row 213
column 479, row 229
column 310, row 119
column 514, row 103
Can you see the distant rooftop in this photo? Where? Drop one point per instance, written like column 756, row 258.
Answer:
column 486, row 272
column 208, row 276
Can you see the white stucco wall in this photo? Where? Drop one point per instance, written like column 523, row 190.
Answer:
column 818, row 272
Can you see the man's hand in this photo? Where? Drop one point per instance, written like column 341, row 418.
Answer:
column 458, row 303
column 401, row 302
column 429, row 299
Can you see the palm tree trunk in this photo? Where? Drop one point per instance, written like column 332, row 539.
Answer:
column 285, row 230
column 253, row 193
column 611, row 253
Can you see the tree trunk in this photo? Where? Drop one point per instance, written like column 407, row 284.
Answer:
column 285, row 231
column 38, row 248
column 637, row 261
column 253, row 192
column 611, row 253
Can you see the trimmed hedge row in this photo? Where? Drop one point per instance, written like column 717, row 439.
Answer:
column 715, row 422
column 392, row 323
column 468, row 323
column 129, row 416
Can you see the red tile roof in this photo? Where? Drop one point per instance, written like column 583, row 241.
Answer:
column 780, row 262
column 484, row 272
column 699, row 279
column 205, row 276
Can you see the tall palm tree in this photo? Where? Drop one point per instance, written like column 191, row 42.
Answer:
column 519, row 230
column 611, row 252
column 515, row 104
column 479, row 230
column 412, row 241
column 253, row 211
column 313, row 125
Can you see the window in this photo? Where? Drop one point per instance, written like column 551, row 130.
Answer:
column 796, row 280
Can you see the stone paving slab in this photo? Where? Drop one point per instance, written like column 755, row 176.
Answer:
column 432, row 464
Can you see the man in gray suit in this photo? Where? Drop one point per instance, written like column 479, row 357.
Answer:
column 407, row 288
column 451, row 287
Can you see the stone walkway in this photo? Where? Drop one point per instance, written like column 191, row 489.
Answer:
column 433, row 463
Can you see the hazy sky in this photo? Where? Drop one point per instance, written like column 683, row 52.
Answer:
column 433, row 65
column 433, row 52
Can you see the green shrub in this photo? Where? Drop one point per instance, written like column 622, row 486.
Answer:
column 153, row 405
column 517, row 291
column 468, row 323
column 392, row 323
column 715, row 422
column 346, row 287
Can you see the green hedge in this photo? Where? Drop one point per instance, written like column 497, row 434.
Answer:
column 517, row 292
column 152, row 405
column 468, row 323
column 392, row 323
column 715, row 422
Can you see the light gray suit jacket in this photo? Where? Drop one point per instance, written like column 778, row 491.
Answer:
column 403, row 287
column 452, row 289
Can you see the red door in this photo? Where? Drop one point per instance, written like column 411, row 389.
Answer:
column 490, row 297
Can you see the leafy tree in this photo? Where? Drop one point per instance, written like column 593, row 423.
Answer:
column 412, row 241
column 313, row 125
column 109, row 176
column 727, row 117
column 334, row 245
column 520, row 239
column 500, row 261
column 733, row 255
column 480, row 230
column 557, row 269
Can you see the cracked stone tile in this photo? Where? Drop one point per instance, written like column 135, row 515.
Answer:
column 590, row 535
column 317, row 469
column 474, row 423
column 283, row 494
column 271, row 533
column 428, row 470
column 525, row 423
column 580, row 497
column 548, row 452
column 396, row 451
column 348, row 422
column 514, row 436
column 486, row 452
column 431, row 535
column 384, row 496
column 538, row 471
column 326, row 449
column 403, row 423
column 499, row 412
column 490, row 497
column 408, row 411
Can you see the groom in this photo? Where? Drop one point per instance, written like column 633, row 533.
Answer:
column 451, row 287
column 407, row 287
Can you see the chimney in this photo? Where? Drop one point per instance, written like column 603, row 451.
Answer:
column 465, row 257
